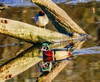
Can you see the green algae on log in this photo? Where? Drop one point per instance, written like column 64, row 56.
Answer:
column 29, row 32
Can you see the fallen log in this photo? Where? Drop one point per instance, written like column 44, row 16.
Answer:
column 29, row 33
column 59, row 17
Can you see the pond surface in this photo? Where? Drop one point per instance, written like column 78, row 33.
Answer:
column 84, row 68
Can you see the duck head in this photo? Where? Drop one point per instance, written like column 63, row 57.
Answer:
column 45, row 47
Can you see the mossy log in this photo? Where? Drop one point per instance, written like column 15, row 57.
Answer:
column 29, row 33
column 55, row 71
column 59, row 17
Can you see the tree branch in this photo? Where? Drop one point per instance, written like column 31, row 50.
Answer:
column 29, row 33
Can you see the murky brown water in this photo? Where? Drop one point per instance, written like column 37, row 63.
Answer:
column 85, row 68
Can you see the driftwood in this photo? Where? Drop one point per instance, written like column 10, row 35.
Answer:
column 58, row 69
column 29, row 33
column 58, row 17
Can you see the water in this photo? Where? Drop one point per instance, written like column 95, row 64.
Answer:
column 84, row 68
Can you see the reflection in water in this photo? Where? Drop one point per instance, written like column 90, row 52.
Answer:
column 20, row 63
column 91, row 50
column 57, row 58
column 45, row 65
column 26, row 60
column 88, row 69
column 52, row 56
column 83, row 68
column 45, row 68
column 30, row 57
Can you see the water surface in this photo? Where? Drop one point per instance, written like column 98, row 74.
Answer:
column 85, row 67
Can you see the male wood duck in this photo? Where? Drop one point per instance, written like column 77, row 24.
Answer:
column 41, row 19
column 45, row 47
column 46, row 50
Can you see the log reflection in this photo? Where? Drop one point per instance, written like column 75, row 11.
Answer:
column 23, row 61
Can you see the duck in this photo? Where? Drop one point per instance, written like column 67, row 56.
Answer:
column 41, row 19
column 45, row 47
